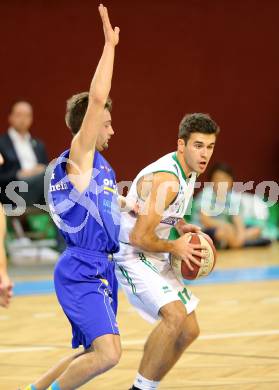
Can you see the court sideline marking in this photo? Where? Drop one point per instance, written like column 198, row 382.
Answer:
column 217, row 336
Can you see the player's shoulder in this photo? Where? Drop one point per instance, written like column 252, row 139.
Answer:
column 167, row 158
column 162, row 177
column 161, row 170
column 165, row 164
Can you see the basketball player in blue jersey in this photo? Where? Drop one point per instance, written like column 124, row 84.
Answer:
column 83, row 203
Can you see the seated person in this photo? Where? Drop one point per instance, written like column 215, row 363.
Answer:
column 25, row 157
column 264, row 214
column 217, row 210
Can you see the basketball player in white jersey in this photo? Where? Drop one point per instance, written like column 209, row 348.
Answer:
column 163, row 190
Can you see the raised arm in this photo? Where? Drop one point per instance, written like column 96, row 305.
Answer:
column 82, row 149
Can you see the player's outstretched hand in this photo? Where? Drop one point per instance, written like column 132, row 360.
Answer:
column 111, row 35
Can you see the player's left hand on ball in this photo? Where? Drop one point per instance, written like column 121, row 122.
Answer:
column 190, row 259
column 193, row 251
column 190, row 253
column 111, row 35
column 182, row 227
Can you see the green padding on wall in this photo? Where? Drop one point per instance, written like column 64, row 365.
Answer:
column 273, row 218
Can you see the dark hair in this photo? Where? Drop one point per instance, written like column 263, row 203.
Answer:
column 76, row 109
column 196, row 123
column 223, row 167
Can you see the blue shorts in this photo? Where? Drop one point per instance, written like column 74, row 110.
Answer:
column 86, row 288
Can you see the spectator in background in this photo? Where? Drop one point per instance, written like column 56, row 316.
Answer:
column 217, row 209
column 25, row 157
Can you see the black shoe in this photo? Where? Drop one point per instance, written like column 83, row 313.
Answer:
column 257, row 242
column 134, row 388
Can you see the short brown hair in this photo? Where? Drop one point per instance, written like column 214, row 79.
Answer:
column 197, row 123
column 76, row 109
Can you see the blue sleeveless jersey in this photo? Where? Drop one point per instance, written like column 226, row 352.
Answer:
column 91, row 219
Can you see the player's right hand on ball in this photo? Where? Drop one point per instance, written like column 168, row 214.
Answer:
column 187, row 251
column 111, row 35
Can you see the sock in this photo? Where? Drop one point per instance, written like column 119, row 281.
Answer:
column 30, row 387
column 145, row 384
column 54, row 386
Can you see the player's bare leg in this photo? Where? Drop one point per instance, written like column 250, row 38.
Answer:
column 53, row 373
column 168, row 341
column 107, row 352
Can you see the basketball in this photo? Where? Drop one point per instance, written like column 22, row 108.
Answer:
column 180, row 267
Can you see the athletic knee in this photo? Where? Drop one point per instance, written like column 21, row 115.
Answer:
column 193, row 333
column 188, row 335
column 174, row 316
column 110, row 358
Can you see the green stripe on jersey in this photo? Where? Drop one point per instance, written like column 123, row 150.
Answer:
column 148, row 263
column 174, row 156
column 126, row 275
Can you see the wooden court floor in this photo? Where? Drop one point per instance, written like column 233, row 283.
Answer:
column 238, row 347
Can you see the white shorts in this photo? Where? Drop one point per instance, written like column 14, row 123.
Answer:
column 149, row 283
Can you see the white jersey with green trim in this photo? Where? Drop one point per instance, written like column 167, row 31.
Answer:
column 177, row 209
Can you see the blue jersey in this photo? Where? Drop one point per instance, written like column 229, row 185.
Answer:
column 90, row 219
